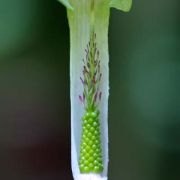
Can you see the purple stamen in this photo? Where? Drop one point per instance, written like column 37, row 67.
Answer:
column 100, row 94
column 86, row 51
column 91, row 74
column 100, row 76
column 95, row 97
column 80, row 98
column 82, row 80
column 94, row 79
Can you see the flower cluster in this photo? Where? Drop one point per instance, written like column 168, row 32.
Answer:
column 90, row 151
column 91, row 76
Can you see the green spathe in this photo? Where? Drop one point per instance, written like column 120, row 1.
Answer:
column 66, row 4
column 124, row 5
column 89, row 60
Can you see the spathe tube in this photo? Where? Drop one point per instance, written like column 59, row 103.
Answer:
column 85, row 16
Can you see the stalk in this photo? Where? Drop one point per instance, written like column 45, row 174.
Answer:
column 89, row 83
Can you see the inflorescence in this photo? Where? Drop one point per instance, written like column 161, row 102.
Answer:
column 90, row 151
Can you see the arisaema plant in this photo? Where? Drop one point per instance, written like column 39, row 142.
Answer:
column 89, row 78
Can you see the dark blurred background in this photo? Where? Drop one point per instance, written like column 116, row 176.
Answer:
column 144, row 106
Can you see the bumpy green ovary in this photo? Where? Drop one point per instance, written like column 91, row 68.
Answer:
column 90, row 151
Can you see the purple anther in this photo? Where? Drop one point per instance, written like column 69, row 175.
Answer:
column 82, row 80
column 100, row 76
column 95, row 96
column 80, row 98
column 100, row 95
